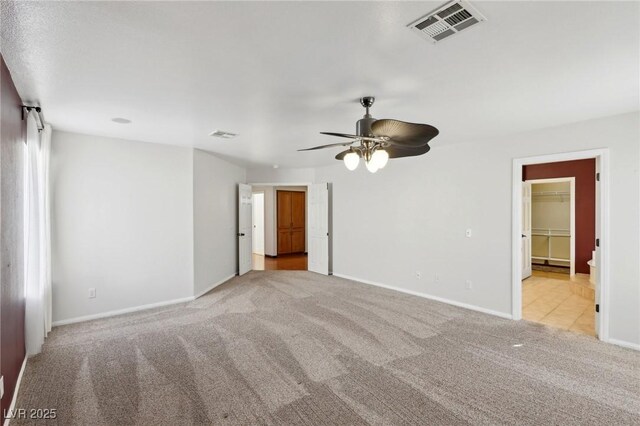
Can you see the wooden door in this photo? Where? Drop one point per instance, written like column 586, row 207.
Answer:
column 291, row 222
column 284, row 222
column 297, row 222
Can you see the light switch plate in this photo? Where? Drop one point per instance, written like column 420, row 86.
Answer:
column 1, row 386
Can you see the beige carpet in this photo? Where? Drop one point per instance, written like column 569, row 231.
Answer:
column 298, row 348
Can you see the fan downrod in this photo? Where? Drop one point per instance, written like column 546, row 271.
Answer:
column 367, row 102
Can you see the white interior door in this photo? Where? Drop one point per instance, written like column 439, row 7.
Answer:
column 244, row 229
column 319, row 228
column 526, row 230
column 258, row 223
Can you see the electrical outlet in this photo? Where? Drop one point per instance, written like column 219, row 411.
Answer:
column 418, row 274
column 436, row 278
column 469, row 285
column 468, row 233
column 92, row 293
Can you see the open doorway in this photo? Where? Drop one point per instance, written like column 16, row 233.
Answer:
column 561, row 219
column 552, row 229
column 285, row 228
column 282, row 210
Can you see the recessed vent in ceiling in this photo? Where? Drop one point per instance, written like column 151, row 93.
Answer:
column 221, row 134
column 447, row 20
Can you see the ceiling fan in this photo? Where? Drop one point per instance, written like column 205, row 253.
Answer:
column 378, row 140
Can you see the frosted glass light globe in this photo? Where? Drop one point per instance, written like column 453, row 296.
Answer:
column 380, row 158
column 351, row 161
column 372, row 166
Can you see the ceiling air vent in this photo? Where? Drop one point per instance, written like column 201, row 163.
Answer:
column 447, row 20
column 221, row 134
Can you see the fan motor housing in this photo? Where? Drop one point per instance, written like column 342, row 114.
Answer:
column 363, row 126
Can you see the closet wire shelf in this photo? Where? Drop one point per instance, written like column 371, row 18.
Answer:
column 551, row 233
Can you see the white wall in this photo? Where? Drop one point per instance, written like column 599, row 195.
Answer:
column 215, row 206
column 285, row 176
column 122, row 222
column 412, row 216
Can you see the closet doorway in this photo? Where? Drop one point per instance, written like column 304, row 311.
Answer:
column 552, row 232
column 291, row 218
column 560, row 205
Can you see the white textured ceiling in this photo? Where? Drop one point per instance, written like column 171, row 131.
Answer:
column 279, row 73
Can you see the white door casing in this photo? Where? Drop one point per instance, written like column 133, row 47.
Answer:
column 319, row 228
column 598, row 252
column 258, row 223
column 602, row 232
column 526, row 230
column 244, row 228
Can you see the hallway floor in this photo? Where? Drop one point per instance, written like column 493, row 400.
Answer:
column 286, row 262
column 559, row 301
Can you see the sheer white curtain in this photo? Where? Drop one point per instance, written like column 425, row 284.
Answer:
column 37, row 237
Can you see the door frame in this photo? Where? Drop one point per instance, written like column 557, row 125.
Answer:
column 528, row 237
column 602, row 230
column 572, row 214
column 275, row 185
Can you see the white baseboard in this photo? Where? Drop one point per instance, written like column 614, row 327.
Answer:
column 624, row 344
column 428, row 296
column 139, row 308
column 222, row 281
column 15, row 391
column 617, row 342
column 122, row 311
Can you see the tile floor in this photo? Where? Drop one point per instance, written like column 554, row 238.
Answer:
column 548, row 298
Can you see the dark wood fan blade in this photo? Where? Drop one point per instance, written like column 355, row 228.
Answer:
column 343, row 153
column 404, row 134
column 341, row 135
column 331, row 145
column 346, row 135
column 399, row 151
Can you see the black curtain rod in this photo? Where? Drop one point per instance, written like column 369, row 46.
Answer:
column 40, row 116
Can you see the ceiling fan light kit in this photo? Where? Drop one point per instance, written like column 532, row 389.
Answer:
column 351, row 160
column 376, row 141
